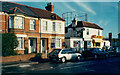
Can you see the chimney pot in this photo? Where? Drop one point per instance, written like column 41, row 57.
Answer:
column 50, row 7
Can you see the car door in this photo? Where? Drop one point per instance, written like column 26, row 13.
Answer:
column 72, row 55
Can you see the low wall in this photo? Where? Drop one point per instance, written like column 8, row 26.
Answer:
column 17, row 58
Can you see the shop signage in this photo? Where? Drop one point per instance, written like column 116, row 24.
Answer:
column 100, row 37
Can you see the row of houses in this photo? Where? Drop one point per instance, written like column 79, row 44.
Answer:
column 41, row 30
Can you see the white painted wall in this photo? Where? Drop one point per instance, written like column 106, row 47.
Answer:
column 50, row 26
column 92, row 31
column 69, row 42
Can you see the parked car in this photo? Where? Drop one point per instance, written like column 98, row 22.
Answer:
column 117, row 50
column 63, row 55
column 111, row 51
column 94, row 52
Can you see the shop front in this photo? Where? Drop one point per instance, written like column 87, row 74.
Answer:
column 97, row 41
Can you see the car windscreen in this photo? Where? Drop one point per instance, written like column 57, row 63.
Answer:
column 55, row 51
column 65, row 51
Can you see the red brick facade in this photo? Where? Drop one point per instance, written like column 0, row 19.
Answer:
column 30, row 34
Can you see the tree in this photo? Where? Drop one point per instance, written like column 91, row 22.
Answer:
column 9, row 43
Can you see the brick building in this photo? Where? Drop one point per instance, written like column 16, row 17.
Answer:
column 37, row 30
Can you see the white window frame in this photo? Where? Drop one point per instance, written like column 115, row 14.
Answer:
column 22, row 39
column 45, row 25
column 59, row 43
column 32, row 23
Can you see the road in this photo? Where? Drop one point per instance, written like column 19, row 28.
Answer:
column 104, row 66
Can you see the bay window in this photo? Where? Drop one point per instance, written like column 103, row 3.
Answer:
column 45, row 25
column 58, row 26
column 16, row 22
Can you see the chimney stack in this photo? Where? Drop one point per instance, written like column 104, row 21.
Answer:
column 74, row 22
column 50, row 7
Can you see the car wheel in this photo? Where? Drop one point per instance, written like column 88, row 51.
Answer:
column 63, row 60
column 78, row 58
column 95, row 56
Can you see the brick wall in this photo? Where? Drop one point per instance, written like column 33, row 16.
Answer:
column 18, row 58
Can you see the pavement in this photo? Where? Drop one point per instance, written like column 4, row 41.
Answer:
column 18, row 63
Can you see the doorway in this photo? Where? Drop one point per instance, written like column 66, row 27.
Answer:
column 32, row 45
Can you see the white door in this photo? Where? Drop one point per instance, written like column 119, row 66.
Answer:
column 43, row 46
column 32, row 45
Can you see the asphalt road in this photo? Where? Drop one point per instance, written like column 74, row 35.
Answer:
column 100, row 66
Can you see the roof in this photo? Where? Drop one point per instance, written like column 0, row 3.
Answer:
column 45, row 14
column 15, row 8
column 86, row 24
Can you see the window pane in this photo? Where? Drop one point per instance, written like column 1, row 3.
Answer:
column 20, row 40
column 11, row 21
column 19, row 22
column 53, row 26
column 45, row 25
column 57, row 42
column 58, row 26
column 32, row 24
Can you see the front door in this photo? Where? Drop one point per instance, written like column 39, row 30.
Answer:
column 85, row 44
column 32, row 45
column 43, row 46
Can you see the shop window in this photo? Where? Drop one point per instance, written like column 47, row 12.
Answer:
column 97, row 44
column 32, row 24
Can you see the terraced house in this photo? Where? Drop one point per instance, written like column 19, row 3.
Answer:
column 37, row 30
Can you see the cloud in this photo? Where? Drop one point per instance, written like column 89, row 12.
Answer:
column 86, row 7
column 101, row 22
column 69, row 7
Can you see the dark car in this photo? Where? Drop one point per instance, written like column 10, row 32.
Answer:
column 94, row 52
column 112, row 51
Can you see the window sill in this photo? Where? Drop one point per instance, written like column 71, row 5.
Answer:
column 19, row 49
column 32, row 29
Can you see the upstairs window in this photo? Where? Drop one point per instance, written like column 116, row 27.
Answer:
column 45, row 25
column 87, row 31
column 32, row 24
column 98, row 32
column 58, row 26
column 19, row 22
column 54, row 26
column 11, row 21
